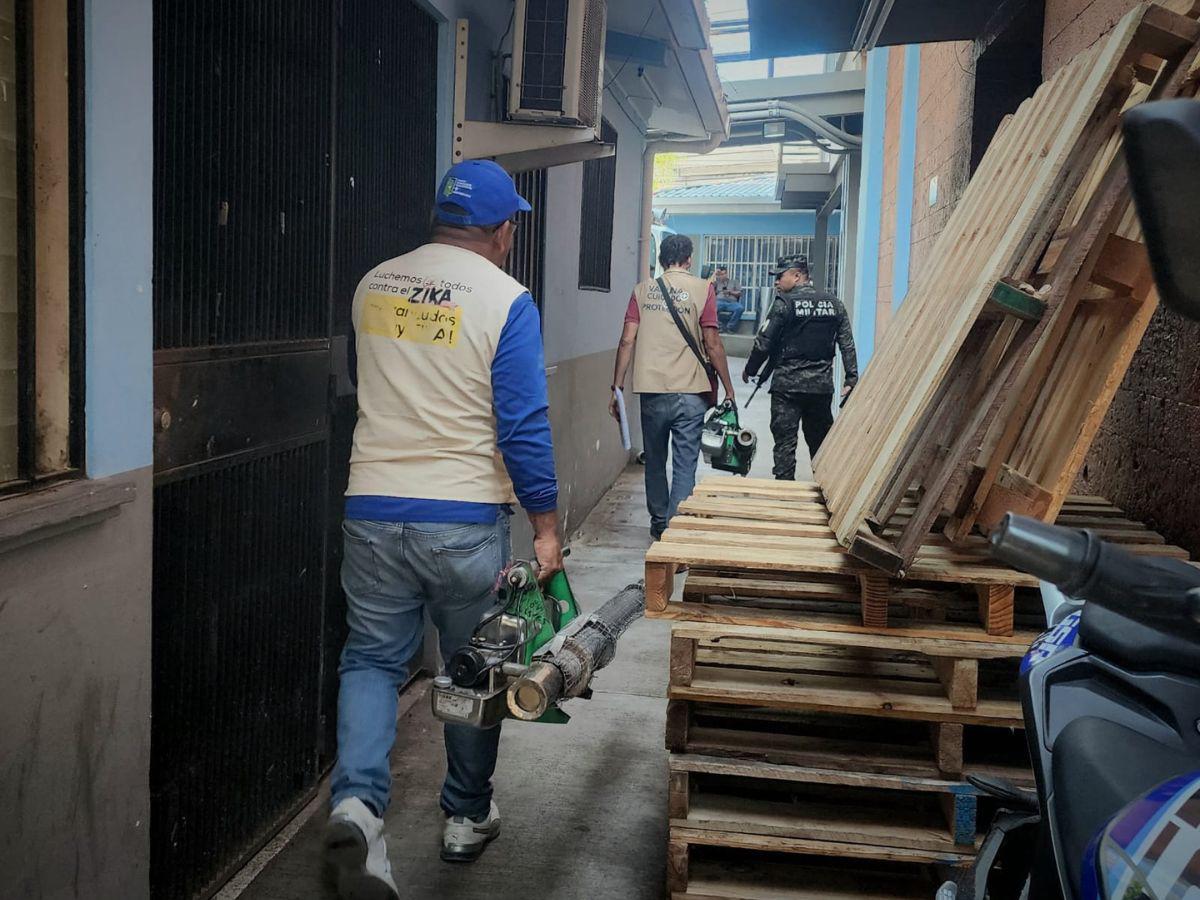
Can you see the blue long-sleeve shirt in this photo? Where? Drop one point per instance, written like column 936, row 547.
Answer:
column 522, row 409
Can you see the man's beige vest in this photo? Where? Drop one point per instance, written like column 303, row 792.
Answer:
column 662, row 362
column 427, row 325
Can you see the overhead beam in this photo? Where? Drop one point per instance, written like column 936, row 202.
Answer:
column 827, row 94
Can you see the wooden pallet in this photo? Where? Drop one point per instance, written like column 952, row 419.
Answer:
column 766, row 527
column 861, row 744
column 766, row 549
column 700, row 872
column 823, row 803
column 850, row 857
column 977, row 374
column 833, row 604
column 876, row 675
column 912, row 662
column 818, row 812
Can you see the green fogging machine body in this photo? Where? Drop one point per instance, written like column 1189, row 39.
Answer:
column 727, row 446
column 527, row 618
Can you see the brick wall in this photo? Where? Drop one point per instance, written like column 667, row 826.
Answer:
column 946, row 99
column 1146, row 457
column 891, row 173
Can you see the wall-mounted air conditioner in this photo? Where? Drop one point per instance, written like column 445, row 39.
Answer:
column 558, row 62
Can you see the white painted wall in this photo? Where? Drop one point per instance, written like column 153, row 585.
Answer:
column 579, row 323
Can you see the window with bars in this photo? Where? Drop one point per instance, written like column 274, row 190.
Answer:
column 596, row 217
column 527, row 262
column 749, row 259
column 39, row 323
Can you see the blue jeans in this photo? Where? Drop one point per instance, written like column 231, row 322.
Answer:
column 729, row 313
column 393, row 573
column 675, row 420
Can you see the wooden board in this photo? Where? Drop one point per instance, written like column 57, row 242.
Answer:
column 946, row 370
column 747, row 874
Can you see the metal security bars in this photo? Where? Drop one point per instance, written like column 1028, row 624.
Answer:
column 236, row 659
column 749, row 259
column 596, row 217
column 241, row 214
column 295, row 148
column 386, row 120
column 527, row 263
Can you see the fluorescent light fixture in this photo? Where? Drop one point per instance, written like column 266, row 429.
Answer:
column 776, row 130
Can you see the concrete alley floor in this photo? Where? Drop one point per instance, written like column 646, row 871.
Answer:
column 584, row 806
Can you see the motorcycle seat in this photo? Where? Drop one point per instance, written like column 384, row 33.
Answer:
column 1140, row 646
column 1098, row 768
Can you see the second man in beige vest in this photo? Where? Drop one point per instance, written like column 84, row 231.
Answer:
column 671, row 383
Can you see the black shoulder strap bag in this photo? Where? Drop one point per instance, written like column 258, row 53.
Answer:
column 709, row 371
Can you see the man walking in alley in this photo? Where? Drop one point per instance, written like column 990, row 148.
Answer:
column 453, row 427
column 673, row 377
column 729, row 300
column 799, row 336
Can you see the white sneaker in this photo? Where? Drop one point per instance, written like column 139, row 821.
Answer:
column 355, row 847
column 464, row 840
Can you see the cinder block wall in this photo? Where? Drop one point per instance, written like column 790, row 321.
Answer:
column 1147, row 455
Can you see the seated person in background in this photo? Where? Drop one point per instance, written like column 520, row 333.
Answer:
column 729, row 300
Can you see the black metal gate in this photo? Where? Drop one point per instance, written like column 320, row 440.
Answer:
column 270, row 118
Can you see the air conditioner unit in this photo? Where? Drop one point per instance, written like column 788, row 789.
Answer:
column 558, row 62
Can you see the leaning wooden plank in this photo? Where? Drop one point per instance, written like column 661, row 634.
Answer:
column 889, row 402
column 1051, row 420
column 962, row 270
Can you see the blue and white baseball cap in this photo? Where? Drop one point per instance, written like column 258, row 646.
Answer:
column 484, row 190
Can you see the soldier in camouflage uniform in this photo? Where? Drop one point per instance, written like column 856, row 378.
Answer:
column 799, row 336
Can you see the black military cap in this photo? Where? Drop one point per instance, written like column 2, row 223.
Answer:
column 797, row 261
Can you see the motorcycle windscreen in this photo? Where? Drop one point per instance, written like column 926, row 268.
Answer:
column 1151, row 849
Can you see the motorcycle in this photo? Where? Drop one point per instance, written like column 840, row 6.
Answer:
column 1111, row 698
column 1111, row 693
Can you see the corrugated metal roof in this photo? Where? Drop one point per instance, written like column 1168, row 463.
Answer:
column 761, row 187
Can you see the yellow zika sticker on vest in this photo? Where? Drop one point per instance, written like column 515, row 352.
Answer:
column 403, row 320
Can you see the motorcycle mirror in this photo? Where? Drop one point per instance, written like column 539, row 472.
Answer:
column 1162, row 147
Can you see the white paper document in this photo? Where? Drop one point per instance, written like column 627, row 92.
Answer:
column 623, row 419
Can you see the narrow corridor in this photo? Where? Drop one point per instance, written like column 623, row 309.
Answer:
column 584, row 806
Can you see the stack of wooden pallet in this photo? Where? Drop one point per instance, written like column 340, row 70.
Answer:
column 843, row 656
column 993, row 379
column 823, row 716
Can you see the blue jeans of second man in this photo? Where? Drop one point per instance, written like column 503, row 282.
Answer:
column 673, row 420
column 394, row 573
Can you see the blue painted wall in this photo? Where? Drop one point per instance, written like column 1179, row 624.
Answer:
column 866, row 262
column 907, row 163
column 118, row 245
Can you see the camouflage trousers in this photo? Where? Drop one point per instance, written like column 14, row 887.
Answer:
column 789, row 411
